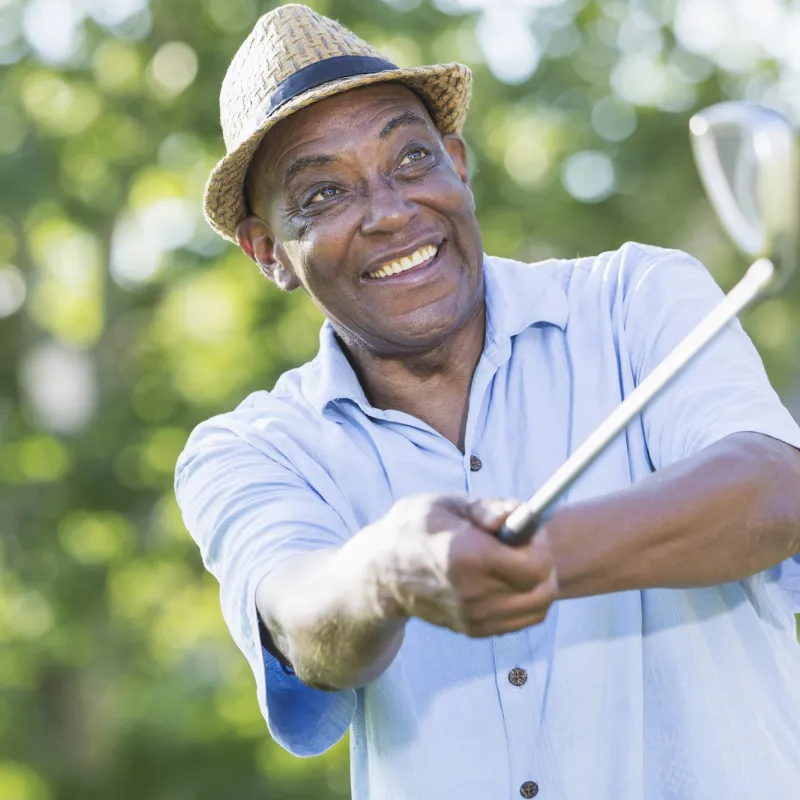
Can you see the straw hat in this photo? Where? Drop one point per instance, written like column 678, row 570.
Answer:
column 292, row 58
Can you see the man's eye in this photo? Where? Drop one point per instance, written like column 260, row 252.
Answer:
column 412, row 156
column 325, row 193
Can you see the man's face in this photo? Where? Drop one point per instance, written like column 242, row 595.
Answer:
column 358, row 184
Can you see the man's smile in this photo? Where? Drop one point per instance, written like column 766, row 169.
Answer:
column 416, row 262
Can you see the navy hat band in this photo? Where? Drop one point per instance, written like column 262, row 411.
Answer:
column 320, row 72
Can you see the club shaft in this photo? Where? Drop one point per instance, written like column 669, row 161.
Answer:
column 522, row 523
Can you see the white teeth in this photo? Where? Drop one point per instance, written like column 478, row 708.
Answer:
column 407, row 262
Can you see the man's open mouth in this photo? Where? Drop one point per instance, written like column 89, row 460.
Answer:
column 416, row 259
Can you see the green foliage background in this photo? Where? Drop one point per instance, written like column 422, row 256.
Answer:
column 117, row 676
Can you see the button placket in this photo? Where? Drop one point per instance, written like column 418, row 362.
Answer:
column 484, row 373
column 519, row 700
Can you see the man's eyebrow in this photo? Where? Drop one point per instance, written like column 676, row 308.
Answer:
column 403, row 118
column 407, row 117
column 306, row 162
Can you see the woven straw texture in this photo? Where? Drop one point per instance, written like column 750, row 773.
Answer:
column 284, row 41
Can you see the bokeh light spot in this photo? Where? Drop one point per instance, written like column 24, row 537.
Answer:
column 30, row 615
column 95, row 537
column 162, row 447
column 88, row 177
column 12, row 290
column 640, row 80
column 137, row 588
column 57, row 106
column 173, row 68
column 113, row 13
column 180, row 151
column 117, row 66
column 42, row 459
column 613, row 119
column 533, row 144
column 588, row 176
column 67, row 300
column 511, row 50
column 53, row 28
column 60, row 384
column 21, row 782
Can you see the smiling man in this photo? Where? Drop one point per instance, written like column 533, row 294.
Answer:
column 643, row 645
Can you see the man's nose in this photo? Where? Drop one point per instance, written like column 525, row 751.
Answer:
column 388, row 209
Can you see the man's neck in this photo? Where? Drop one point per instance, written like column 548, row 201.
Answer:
column 433, row 386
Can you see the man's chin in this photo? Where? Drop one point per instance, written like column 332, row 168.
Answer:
column 426, row 332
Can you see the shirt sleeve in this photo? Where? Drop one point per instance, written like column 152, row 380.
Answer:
column 248, row 512
column 724, row 390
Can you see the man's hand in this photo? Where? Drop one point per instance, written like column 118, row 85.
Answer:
column 437, row 558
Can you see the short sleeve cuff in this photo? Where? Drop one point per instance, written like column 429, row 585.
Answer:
column 302, row 720
column 776, row 423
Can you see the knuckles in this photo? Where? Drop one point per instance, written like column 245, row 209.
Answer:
column 456, row 578
column 479, row 617
column 481, row 628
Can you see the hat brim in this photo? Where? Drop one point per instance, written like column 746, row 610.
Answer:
column 444, row 88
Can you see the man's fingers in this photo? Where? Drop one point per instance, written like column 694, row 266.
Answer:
column 510, row 625
column 498, row 627
column 538, row 599
column 521, row 568
column 507, row 612
column 489, row 514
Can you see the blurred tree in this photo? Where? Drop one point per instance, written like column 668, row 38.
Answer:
column 124, row 321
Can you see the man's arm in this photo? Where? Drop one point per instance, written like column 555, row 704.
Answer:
column 325, row 617
column 338, row 615
column 720, row 515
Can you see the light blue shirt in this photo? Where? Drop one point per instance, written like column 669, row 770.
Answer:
column 660, row 694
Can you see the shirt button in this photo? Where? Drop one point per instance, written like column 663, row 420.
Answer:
column 475, row 463
column 518, row 676
column 529, row 789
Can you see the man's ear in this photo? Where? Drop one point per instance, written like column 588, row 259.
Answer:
column 457, row 150
column 257, row 243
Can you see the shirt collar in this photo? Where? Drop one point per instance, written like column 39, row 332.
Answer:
column 518, row 296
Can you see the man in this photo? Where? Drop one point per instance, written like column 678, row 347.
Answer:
column 643, row 644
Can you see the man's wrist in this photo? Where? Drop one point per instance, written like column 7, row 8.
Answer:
column 368, row 565
column 581, row 548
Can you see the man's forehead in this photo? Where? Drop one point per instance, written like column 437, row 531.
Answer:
column 334, row 117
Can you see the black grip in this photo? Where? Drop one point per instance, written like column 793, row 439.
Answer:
column 520, row 535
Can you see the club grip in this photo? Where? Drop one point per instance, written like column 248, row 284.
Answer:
column 520, row 527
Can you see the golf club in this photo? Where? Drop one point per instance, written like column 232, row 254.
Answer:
column 747, row 157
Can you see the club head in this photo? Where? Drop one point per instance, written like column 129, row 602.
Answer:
column 747, row 156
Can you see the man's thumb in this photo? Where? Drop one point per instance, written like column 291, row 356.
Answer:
column 490, row 514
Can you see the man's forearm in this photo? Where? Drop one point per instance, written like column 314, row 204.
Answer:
column 727, row 512
column 330, row 623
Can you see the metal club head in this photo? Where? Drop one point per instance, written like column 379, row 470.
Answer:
column 747, row 156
